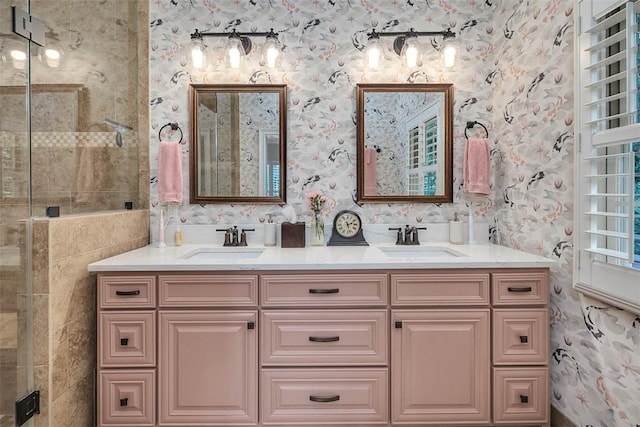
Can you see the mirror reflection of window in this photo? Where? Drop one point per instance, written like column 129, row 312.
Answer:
column 270, row 163
column 410, row 128
column 424, row 153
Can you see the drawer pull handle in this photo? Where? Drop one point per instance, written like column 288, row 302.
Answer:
column 124, row 341
column 324, row 399
column 324, row 291
column 128, row 293
column 324, row 339
column 124, row 402
column 524, row 398
column 524, row 339
column 522, row 289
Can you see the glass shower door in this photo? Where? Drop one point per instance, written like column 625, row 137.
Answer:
column 16, row 296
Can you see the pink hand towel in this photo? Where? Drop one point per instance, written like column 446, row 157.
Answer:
column 170, row 172
column 476, row 166
column 370, row 188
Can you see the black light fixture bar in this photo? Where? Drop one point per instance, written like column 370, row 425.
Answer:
column 400, row 36
column 243, row 36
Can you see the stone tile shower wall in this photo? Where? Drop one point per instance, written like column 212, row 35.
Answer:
column 514, row 75
column 97, row 79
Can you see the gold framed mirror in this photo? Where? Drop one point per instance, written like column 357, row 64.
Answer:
column 404, row 142
column 238, row 143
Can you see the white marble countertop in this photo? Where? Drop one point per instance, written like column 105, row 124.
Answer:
column 179, row 258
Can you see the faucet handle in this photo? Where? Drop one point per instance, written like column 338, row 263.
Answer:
column 399, row 240
column 243, row 236
column 227, row 236
column 415, row 240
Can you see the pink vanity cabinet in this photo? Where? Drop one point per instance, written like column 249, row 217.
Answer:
column 470, row 347
column 324, row 349
column 202, row 340
column 454, row 347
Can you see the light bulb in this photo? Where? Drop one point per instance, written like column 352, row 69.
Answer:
column 271, row 52
column 448, row 54
column 411, row 54
column 234, row 53
column 373, row 54
column 198, row 55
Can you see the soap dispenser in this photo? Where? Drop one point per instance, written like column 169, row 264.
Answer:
column 456, row 230
column 269, row 232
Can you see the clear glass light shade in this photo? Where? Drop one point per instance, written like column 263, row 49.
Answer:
column 449, row 51
column 271, row 53
column 373, row 53
column 198, row 54
column 234, row 53
column 411, row 52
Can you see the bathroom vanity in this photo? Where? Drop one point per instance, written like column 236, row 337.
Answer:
column 323, row 336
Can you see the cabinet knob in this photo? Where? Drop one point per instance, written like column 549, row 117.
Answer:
column 524, row 339
column 124, row 402
column 524, row 398
column 124, row 341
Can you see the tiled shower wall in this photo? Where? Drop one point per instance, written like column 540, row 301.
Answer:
column 64, row 308
column 106, row 43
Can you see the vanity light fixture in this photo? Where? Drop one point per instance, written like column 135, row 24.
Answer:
column 406, row 45
column 237, row 47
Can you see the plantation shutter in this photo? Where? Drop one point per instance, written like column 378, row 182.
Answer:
column 608, row 149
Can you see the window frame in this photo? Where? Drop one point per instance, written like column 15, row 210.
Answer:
column 616, row 285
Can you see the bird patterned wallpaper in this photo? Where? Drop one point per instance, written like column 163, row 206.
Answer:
column 514, row 74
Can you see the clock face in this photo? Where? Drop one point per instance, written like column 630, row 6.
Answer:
column 347, row 224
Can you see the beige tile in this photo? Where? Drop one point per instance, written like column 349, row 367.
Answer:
column 41, row 329
column 60, row 363
column 59, row 244
column 41, row 382
column 76, row 406
column 8, row 330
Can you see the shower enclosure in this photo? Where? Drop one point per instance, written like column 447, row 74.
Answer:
column 69, row 146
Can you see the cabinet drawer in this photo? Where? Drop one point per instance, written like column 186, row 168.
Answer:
column 354, row 337
column 130, row 291
column 520, row 336
column 126, row 397
column 328, row 397
column 520, row 288
column 440, row 289
column 127, row 338
column 208, row 290
column 331, row 290
column 521, row 395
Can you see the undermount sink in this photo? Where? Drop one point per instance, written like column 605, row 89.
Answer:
column 419, row 252
column 229, row 252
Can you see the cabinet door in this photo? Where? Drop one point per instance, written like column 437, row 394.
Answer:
column 440, row 366
column 208, row 368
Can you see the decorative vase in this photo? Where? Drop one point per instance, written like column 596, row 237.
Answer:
column 317, row 229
